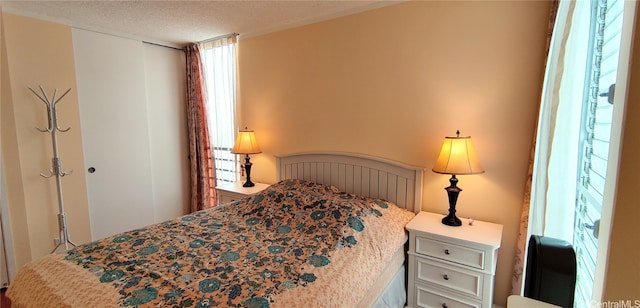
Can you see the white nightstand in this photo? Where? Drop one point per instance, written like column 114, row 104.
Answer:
column 451, row 266
column 234, row 191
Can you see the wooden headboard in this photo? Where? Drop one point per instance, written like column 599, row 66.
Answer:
column 358, row 174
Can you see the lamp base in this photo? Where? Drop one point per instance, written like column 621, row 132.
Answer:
column 452, row 192
column 452, row 220
column 247, row 169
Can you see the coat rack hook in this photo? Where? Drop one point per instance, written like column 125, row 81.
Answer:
column 38, row 95
column 46, row 176
column 45, row 100
column 63, row 173
column 55, row 110
column 55, row 102
column 45, row 94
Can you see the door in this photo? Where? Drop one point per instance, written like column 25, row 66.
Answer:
column 115, row 132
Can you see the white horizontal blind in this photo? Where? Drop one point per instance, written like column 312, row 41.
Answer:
column 595, row 135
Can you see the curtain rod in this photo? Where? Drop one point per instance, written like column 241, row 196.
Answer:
column 200, row 42
column 218, row 37
column 165, row 46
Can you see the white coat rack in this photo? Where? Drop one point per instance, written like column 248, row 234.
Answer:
column 56, row 167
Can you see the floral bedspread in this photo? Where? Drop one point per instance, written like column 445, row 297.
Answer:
column 263, row 251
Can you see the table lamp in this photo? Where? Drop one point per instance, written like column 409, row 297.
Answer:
column 246, row 144
column 457, row 157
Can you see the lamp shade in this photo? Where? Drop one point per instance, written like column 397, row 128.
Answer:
column 246, row 143
column 457, row 156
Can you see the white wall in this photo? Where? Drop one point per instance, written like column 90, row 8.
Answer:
column 131, row 98
column 165, row 86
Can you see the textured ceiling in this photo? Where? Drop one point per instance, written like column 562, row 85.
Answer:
column 180, row 22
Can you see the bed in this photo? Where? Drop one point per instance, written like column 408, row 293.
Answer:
column 329, row 233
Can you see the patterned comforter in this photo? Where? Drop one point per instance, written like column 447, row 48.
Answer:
column 296, row 243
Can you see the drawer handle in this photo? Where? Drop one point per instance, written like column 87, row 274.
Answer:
column 445, row 277
column 446, row 252
column 444, row 305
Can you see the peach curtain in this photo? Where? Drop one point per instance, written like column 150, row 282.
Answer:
column 519, row 262
column 203, row 194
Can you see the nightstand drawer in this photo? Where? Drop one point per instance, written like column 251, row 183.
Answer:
column 450, row 252
column 229, row 197
column 235, row 191
column 449, row 277
column 427, row 297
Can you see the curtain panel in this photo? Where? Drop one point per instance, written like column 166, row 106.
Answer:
column 203, row 194
column 219, row 64
column 523, row 234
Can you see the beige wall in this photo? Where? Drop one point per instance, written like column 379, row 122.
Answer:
column 11, row 165
column 393, row 82
column 39, row 53
column 623, row 269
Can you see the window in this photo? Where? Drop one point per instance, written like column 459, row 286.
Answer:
column 570, row 185
column 595, row 134
column 219, row 59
